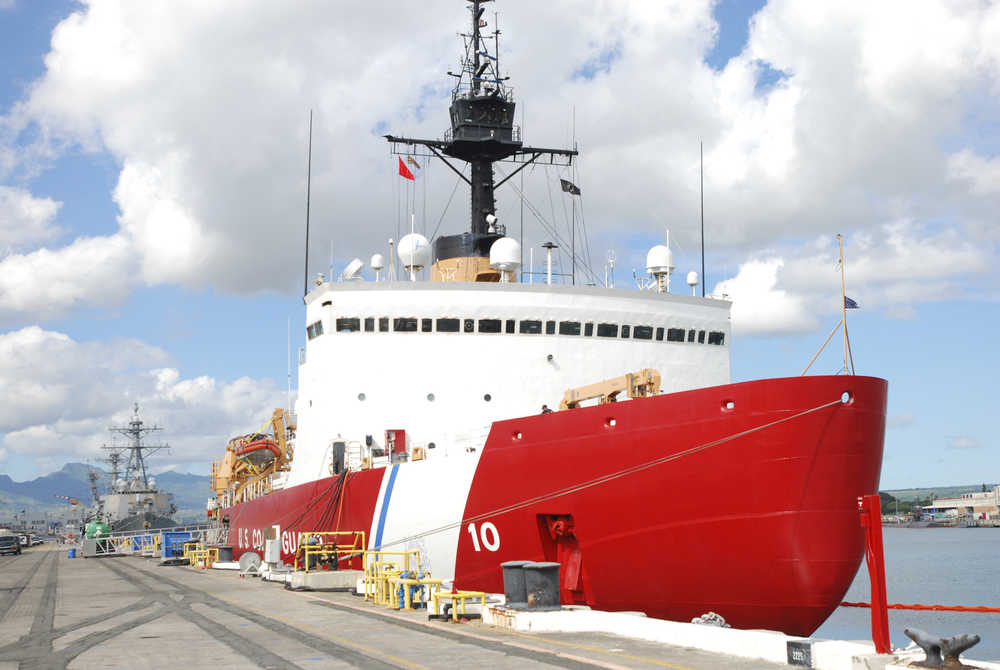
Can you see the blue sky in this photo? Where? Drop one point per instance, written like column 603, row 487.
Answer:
column 775, row 197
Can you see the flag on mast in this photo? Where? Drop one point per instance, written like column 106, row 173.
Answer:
column 850, row 304
column 569, row 187
column 404, row 171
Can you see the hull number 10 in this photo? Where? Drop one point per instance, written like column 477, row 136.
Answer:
column 487, row 533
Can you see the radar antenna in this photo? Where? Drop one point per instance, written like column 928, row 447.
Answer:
column 135, row 451
column 482, row 132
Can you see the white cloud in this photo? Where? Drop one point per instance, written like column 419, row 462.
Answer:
column 46, row 284
column 25, row 219
column 892, row 267
column 58, row 396
column 901, row 420
column 982, row 174
column 963, row 442
column 205, row 105
column 759, row 306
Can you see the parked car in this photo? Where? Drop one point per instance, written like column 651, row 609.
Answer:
column 10, row 544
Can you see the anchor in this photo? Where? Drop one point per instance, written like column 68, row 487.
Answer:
column 935, row 646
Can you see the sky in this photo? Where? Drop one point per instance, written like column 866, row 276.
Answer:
column 153, row 178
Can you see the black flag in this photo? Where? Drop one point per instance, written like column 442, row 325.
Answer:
column 569, row 187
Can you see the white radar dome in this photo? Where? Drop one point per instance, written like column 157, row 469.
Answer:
column 414, row 251
column 505, row 254
column 660, row 260
column 692, row 278
column 377, row 262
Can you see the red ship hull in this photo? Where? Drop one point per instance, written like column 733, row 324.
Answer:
column 738, row 499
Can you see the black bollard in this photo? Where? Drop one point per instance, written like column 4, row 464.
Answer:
column 513, row 584
column 541, row 583
column 935, row 646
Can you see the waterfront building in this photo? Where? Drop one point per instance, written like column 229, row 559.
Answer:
column 979, row 505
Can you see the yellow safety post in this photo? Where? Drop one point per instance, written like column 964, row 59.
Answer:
column 458, row 599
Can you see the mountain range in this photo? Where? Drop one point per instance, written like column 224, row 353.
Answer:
column 39, row 496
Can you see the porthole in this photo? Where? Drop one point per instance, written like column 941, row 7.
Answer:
column 430, row 397
column 361, row 397
column 847, row 397
column 487, row 397
column 431, row 445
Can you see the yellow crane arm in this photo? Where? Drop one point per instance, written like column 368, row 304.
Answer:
column 641, row 384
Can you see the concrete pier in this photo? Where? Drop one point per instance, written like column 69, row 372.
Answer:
column 129, row 612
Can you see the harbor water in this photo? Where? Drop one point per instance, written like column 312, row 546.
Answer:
column 932, row 566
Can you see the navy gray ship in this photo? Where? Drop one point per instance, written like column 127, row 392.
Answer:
column 134, row 502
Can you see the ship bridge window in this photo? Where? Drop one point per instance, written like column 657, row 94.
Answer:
column 569, row 327
column 691, row 334
column 426, row 325
column 370, row 324
column 404, row 324
column 675, row 335
column 625, row 331
column 509, row 326
column 607, row 330
column 447, row 325
column 347, row 325
column 489, row 325
column 659, row 334
column 642, row 333
column 383, row 324
column 469, row 325
column 716, row 337
column 701, row 337
column 550, row 327
column 588, row 330
column 314, row 330
column 530, row 327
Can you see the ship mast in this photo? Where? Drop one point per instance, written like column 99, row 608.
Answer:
column 136, row 450
column 482, row 132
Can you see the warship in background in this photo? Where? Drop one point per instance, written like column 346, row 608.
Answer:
column 134, row 502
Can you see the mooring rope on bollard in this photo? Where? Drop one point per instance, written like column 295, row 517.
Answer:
column 935, row 608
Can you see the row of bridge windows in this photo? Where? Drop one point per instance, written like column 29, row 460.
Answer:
column 408, row 324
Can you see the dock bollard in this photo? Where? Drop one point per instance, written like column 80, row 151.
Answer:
column 513, row 584
column 541, row 584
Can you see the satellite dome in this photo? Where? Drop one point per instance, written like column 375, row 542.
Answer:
column 660, row 260
column 414, row 251
column 377, row 262
column 692, row 278
column 505, row 254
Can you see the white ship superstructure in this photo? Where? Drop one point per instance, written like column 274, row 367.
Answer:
column 445, row 360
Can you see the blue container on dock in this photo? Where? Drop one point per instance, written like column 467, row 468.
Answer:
column 72, row 552
column 173, row 541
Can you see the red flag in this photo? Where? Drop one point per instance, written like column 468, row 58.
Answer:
column 405, row 171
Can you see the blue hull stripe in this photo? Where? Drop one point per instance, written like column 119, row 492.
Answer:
column 385, row 506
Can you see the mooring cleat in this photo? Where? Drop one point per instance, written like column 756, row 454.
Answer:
column 935, row 647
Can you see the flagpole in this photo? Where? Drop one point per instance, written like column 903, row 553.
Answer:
column 305, row 283
column 843, row 300
column 701, row 153
column 573, row 240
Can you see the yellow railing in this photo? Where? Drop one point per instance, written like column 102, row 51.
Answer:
column 326, row 545
column 458, row 599
column 204, row 558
